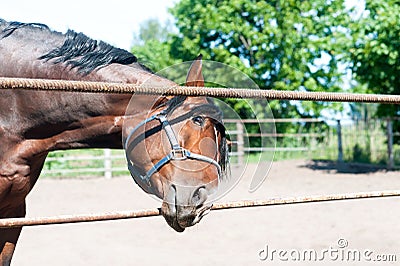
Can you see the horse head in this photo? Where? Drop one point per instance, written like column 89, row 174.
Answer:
column 179, row 153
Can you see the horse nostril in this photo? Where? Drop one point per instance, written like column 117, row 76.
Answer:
column 199, row 196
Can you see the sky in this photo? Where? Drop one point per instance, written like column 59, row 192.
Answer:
column 114, row 22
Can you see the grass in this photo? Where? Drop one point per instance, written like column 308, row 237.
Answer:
column 362, row 143
column 74, row 163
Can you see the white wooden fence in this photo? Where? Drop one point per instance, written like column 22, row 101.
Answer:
column 108, row 166
column 106, row 160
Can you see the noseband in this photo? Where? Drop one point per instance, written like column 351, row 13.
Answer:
column 177, row 153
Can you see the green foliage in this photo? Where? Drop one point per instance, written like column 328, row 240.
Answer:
column 284, row 45
column 151, row 30
column 361, row 154
column 152, row 46
column 154, row 54
column 375, row 58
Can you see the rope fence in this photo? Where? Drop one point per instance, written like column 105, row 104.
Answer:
column 19, row 222
column 122, row 88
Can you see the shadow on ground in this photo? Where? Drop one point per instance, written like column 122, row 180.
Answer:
column 343, row 167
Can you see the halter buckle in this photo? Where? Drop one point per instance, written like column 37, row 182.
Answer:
column 179, row 154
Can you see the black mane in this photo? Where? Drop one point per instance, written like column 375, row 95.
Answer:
column 78, row 50
column 13, row 26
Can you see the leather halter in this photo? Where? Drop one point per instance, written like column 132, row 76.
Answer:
column 177, row 153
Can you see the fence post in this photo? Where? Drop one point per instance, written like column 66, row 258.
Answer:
column 389, row 128
column 107, row 164
column 240, row 142
column 340, row 143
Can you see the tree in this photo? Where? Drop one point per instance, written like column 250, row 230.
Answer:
column 375, row 56
column 151, row 45
column 281, row 44
column 151, row 29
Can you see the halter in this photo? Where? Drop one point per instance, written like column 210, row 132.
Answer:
column 177, row 153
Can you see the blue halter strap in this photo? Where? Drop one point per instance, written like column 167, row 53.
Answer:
column 177, row 153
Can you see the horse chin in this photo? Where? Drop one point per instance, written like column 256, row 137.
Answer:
column 168, row 211
column 184, row 216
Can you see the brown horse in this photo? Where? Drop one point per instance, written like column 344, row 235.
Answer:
column 167, row 155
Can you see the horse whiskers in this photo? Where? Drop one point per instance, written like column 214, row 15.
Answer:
column 203, row 211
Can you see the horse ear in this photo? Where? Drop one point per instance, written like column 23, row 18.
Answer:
column 195, row 76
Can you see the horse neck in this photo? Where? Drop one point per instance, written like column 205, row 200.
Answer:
column 24, row 47
column 19, row 55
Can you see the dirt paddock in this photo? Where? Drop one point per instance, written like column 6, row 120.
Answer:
column 279, row 235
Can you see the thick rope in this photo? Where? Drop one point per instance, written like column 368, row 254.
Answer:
column 19, row 222
column 102, row 87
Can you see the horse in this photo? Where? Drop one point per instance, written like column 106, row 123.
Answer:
column 164, row 147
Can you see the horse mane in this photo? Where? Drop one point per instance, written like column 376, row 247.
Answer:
column 78, row 50
column 14, row 25
column 85, row 54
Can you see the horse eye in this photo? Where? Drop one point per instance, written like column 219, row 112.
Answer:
column 198, row 120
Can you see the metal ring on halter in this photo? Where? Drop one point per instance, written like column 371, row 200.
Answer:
column 177, row 152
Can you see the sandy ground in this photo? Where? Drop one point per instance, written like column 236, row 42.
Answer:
column 230, row 237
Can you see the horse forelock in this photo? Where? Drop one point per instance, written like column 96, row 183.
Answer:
column 213, row 112
column 209, row 110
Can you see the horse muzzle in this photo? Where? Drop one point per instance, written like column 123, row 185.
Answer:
column 184, row 206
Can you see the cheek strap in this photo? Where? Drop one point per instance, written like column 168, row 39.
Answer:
column 177, row 152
